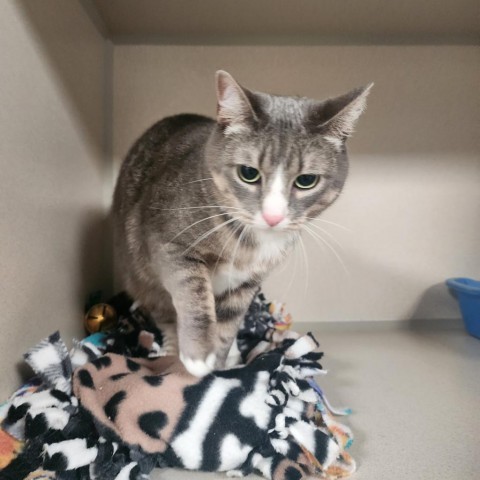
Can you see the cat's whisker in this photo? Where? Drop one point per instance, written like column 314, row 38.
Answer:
column 208, row 233
column 302, row 245
column 330, row 223
column 317, row 236
column 281, row 270
column 225, row 245
column 326, row 232
column 196, row 223
column 200, row 180
column 323, row 241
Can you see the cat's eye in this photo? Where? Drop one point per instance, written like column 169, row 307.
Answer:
column 306, row 181
column 248, row 174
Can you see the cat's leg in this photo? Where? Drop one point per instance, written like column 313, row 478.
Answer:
column 230, row 308
column 189, row 285
column 161, row 310
column 157, row 303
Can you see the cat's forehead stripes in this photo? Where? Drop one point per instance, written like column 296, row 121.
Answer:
column 263, row 154
column 281, row 151
column 286, row 112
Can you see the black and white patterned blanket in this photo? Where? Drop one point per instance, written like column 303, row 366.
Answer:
column 267, row 415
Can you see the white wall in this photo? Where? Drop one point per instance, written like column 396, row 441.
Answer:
column 412, row 201
column 52, row 171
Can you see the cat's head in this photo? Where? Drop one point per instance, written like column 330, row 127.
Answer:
column 280, row 160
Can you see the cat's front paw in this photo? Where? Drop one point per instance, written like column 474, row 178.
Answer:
column 197, row 367
column 235, row 473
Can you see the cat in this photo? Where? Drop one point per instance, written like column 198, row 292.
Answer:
column 204, row 209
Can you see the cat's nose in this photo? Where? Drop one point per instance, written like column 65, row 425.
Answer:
column 273, row 218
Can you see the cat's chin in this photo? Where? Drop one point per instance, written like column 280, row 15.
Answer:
column 269, row 232
column 259, row 227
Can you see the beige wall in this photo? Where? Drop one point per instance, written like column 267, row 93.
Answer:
column 52, row 169
column 412, row 201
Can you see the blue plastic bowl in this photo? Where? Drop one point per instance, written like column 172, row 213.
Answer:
column 467, row 292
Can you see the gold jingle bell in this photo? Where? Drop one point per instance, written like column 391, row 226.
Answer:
column 100, row 317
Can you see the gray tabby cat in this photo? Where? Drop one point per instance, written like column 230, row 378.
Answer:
column 203, row 210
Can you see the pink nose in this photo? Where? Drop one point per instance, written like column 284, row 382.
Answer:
column 273, row 218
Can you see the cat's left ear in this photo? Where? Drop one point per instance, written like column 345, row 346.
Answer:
column 335, row 118
column 234, row 110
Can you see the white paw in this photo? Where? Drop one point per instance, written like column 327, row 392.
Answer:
column 235, row 473
column 199, row 368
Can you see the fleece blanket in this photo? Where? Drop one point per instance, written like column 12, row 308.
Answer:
column 129, row 408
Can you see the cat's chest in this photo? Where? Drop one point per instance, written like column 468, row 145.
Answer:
column 250, row 263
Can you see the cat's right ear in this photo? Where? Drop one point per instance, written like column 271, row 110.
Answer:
column 234, row 110
column 336, row 117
